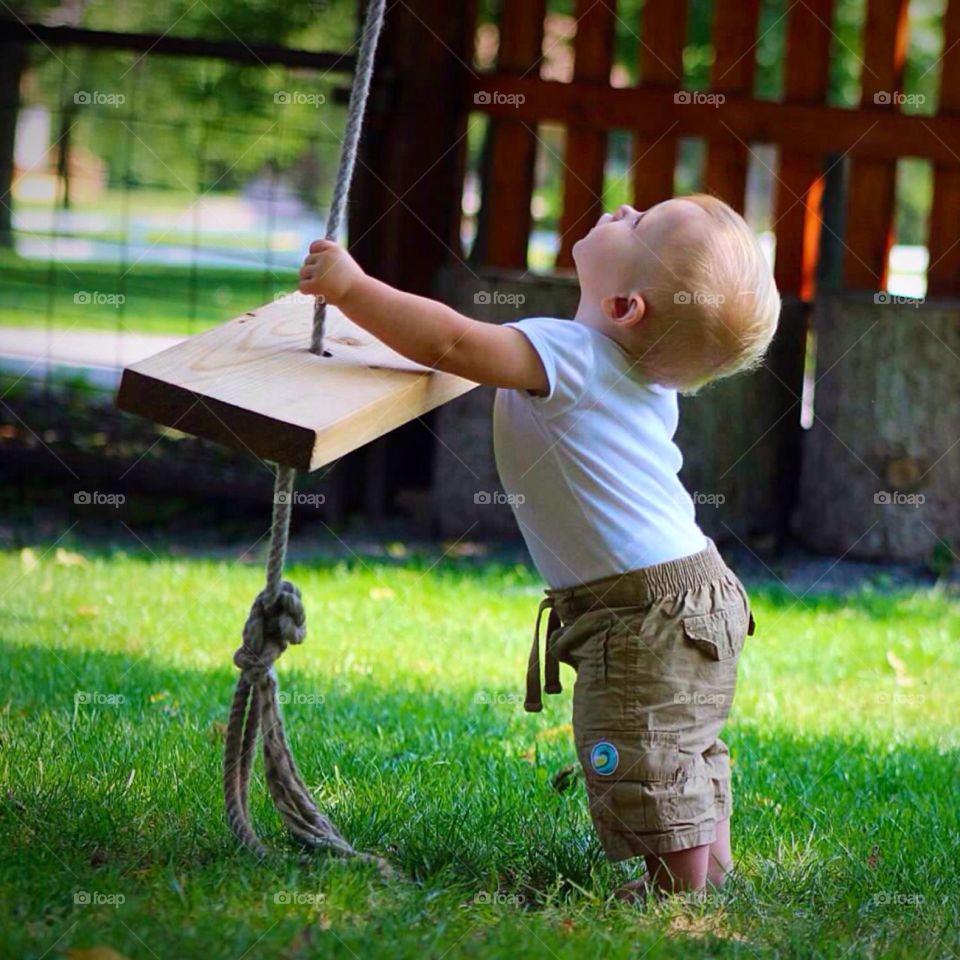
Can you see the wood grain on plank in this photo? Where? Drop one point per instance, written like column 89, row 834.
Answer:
column 253, row 385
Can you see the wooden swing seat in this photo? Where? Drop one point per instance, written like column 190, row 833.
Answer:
column 252, row 384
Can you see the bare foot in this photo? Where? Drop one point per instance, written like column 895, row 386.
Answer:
column 635, row 891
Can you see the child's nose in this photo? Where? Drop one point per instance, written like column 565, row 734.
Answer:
column 625, row 210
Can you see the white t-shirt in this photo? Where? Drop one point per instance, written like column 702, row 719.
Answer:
column 591, row 468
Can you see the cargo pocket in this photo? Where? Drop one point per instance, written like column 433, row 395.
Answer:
column 721, row 634
column 632, row 779
column 582, row 645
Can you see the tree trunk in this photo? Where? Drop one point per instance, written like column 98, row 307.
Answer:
column 881, row 463
column 13, row 61
column 404, row 216
column 67, row 114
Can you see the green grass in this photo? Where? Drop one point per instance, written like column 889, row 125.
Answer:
column 155, row 298
column 117, row 202
column 407, row 723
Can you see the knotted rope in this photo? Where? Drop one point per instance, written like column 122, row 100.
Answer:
column 359, row 92
column 277, row 618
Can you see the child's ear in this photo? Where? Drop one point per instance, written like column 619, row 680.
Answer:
column 625, row 311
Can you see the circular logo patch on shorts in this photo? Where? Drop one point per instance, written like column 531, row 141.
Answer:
column 604, row 757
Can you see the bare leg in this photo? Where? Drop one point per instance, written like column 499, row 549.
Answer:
column 684, row 870
column 721, row 857
column 689, row 870
column 681, row 871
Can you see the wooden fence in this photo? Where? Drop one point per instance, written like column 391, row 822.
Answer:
column 405, row 224
column 874, row 136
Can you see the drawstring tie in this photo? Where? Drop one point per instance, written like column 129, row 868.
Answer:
column 534, row 701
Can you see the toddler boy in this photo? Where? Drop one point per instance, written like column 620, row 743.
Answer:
column 640, row 602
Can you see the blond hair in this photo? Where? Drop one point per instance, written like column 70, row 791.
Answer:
column 714, row 308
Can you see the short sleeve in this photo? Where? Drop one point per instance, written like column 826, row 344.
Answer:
column 565, row 348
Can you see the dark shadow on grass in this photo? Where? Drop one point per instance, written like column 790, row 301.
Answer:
column 436, row 781
column 321, row 549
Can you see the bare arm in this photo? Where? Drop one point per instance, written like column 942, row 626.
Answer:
column 423, row 330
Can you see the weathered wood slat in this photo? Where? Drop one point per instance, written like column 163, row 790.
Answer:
column 734, row 67
column 795, row 125
column 943, row 275
column 799, row 185
column 253, row 385
column 586, row 150
column 513, row 143
column 872, row 183
column 663, row 35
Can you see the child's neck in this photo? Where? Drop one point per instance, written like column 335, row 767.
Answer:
column 589, row 312
column 591, row 315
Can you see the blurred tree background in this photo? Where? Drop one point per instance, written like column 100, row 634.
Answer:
column 193, row 126
column 198, row 108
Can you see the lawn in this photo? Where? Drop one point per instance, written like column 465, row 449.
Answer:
column 405, row 714
column 143, row 298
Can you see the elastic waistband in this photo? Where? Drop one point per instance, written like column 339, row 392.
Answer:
column 636, row 588
column 641, row 586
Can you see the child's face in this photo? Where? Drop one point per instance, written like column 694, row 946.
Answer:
column 630, row 248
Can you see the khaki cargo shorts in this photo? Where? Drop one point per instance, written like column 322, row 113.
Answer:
column 656, row 652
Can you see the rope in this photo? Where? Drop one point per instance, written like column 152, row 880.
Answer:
column 359, row 92
column 277, row 618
